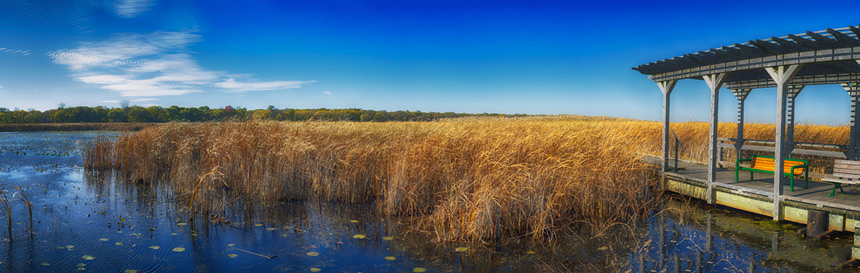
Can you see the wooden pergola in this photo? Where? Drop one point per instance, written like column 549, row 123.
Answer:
column 789, row 63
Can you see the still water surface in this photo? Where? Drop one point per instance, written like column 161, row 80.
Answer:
column 84, row 221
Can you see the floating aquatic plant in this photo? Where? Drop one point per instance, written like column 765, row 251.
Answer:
column 313, row 254
column 88, row 257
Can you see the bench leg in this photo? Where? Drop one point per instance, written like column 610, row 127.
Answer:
column 791, row 182
column 835, row 186
column 751, row 175
column 736, row 175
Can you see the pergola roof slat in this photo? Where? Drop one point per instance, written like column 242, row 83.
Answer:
column 832, row 52
column 843, row 39
column 821, row 41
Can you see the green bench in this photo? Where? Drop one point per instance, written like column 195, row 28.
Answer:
column 765, row 164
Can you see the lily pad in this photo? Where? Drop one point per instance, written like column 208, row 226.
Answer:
column 103, row 239
column 182, row 224
column 173, row 233
column 419, row 269
column 353, row 221
column 314, row 269
column 602, row 248
column 82, row 268
column 530, row 252
column 70, row 246
column 271, row 229
column 232, row 255
column 154, row 247
column 461, row 249
column 88, row 257
column 313, row 253
column 130, row 271
column 359, row 236
column 258, row 225
column 390, row 258
column 231, row 245
column 388, row 238
column 118, row 243
column 178, row 249
column 82, row 264
column 46, row 264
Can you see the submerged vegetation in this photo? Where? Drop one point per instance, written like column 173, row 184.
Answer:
column 462, row 179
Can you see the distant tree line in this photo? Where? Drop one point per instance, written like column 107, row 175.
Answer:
column 136, row 113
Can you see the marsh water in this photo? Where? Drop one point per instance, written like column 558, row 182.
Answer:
column 86, row 221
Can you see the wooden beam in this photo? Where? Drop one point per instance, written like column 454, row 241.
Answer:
column 821, row 41
column 714, row 82
column 843, row 39
column 793, row 91
column 853, row 89
column 803, row 42
column 781, row 75
column 666, row 87
column 741, row 95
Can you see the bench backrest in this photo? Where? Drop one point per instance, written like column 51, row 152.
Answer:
column 847, row 169
column 766, row 163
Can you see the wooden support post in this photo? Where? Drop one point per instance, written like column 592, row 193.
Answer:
column 714, row 81
column 666, row 87
column 793, row 91
column 855, row 249
column 741, row 95
column 816, row 223
column 781, row 75
column 853, row 90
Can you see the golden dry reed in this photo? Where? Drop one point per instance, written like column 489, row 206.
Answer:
column 465, row 179
column 694, row 135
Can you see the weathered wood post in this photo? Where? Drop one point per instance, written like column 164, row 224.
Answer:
column 816, row 223
column 714, row 81
column 793, row 91
column 853, row 90
column 781, row 75
column 666, row 87
column 741, row 95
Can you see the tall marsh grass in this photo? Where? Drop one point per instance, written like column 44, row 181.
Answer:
column 465, row 179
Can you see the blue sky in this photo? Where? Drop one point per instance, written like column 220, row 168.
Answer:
column 534, row 57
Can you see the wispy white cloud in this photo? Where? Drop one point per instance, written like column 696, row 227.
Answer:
column 153, row 64
column 14, row 51
column 328, row 94
column 132, row 8
column 231, row 85
column 134, row 100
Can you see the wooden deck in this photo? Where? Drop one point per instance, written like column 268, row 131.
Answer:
column 817, row 193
